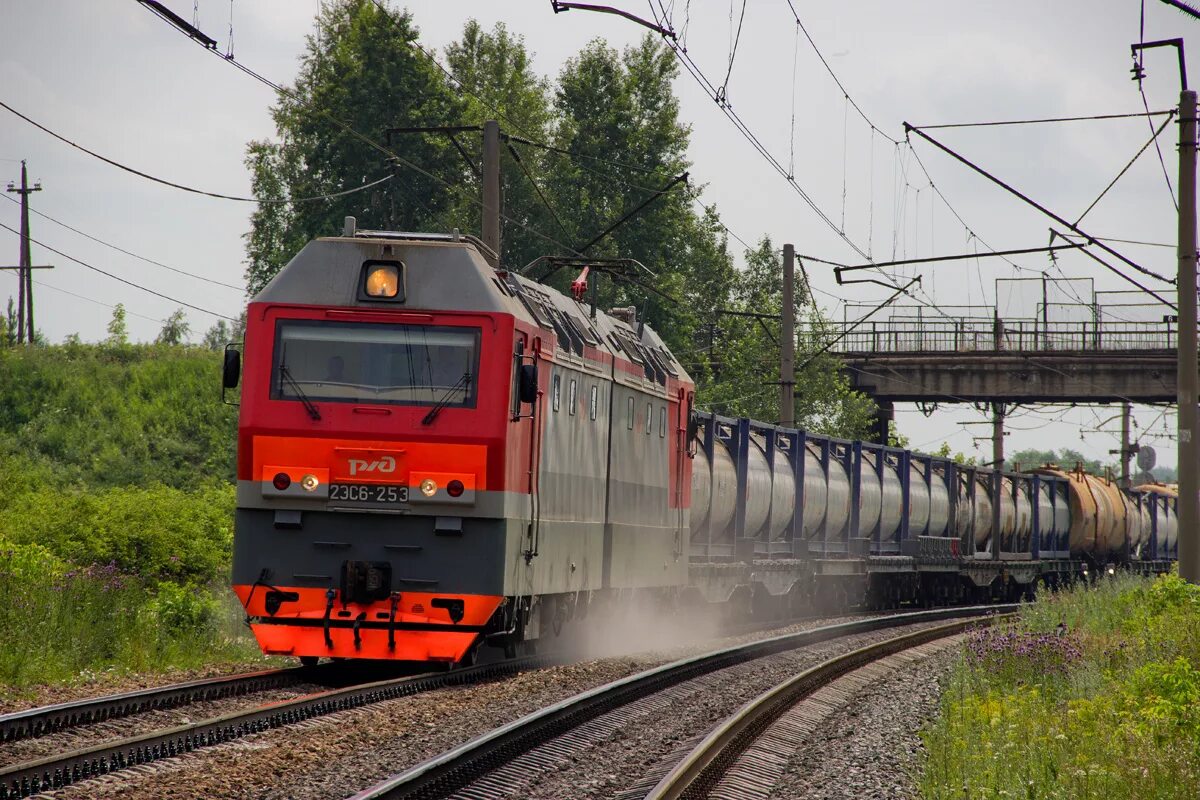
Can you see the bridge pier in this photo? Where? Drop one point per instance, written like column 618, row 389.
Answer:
column 883, row 419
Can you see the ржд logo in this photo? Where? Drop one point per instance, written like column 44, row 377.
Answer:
column 385, row 464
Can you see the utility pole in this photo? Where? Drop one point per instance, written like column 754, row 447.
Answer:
column 787, row 358
column 24, row 268
column 997, row 435
column 491, row 186
column 1189, row 487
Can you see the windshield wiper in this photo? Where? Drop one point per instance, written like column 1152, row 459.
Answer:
column 286, row 374
column 464, row 382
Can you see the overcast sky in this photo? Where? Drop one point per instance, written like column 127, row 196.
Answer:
column 116, row 79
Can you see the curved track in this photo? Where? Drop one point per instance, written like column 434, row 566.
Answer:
column 738, row 753
column 462, row 767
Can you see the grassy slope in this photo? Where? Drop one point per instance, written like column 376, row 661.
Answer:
column 116, row 519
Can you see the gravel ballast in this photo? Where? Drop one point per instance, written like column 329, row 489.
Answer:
column 624, row 752
column 871, row 749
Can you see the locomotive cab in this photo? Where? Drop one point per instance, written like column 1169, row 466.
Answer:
column 375, row 488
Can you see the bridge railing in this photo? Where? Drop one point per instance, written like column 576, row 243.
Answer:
column 974, row 335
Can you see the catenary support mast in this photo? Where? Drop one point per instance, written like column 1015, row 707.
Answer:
column 1189, row 499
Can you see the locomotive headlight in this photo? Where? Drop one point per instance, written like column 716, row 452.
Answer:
column 428, row 487
column 310, row 482
column 281, row 481
column 383, row 280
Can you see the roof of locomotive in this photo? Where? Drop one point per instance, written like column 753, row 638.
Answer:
column 451, row 272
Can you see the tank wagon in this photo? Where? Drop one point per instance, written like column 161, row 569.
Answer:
column 882, row 525
column 435, row 454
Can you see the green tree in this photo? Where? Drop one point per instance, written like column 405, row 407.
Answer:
column 118, row 331
column 945, row 451
column 175, row 329
column 1065, row 458
column 362, row 69
column 496, row 73
column 216, row 337
column 8, row 333
column 618, row 115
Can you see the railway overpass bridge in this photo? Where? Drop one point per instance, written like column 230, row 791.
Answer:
column 998, row 363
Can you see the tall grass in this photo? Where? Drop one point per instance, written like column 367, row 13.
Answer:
column 60, row 623
column 1093, row 693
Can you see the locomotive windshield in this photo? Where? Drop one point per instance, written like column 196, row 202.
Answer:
column 353, row 362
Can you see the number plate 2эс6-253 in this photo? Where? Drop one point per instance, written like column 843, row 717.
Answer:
column 367, row 493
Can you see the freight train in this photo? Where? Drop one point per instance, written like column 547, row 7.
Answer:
column 435, row 454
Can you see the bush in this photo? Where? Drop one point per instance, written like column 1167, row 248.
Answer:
column 116, row 519
column 157, row 532
column 184, row 611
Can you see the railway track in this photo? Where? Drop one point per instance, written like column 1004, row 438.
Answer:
column 36, row 722
column 475, row 768
column 744, row 756
column 60, row 770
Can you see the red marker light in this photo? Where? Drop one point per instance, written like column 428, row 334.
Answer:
column 454, row 488
column 281, row 481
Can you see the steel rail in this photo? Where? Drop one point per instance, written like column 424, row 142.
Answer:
column 23, row 780
column 34, row 722
column 445, row 774
column 699, row 771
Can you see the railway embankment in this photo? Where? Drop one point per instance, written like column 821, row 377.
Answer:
column 1091, row 693
column 115, row 519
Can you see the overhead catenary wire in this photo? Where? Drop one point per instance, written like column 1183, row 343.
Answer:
column 129, row 253
column 183, row 187
column 1139, row 74
column 1035, row 204
column 125, row 281
column 690, row 66
column 1153, row 140
column 1044, row 120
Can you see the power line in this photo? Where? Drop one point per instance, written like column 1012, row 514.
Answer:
column 1139, row 75
column 94, row 301
column 932, row 303
column 181, row 186
column 119, row 278
column 128, row 253
column 833, row 75
column 368, row 141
